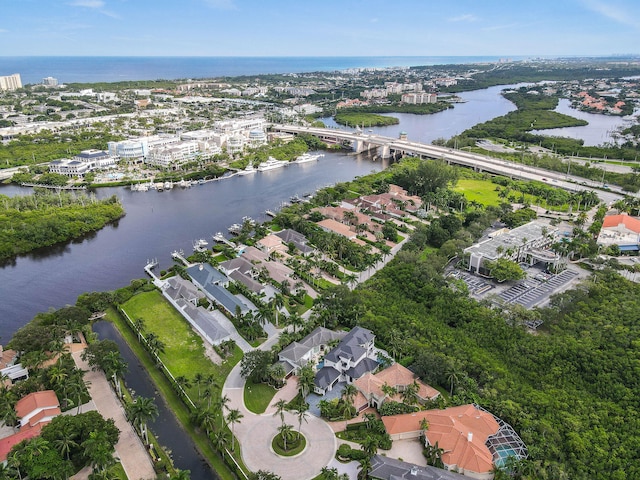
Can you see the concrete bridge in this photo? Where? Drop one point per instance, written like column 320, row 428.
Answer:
column 387, row 147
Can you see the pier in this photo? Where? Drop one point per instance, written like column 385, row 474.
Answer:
column 54, row 187
column 218, row 237
column 179, row 255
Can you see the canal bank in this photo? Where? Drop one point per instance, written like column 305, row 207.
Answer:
column 170, row 431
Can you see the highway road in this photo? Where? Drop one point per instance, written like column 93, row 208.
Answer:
column 460, row 157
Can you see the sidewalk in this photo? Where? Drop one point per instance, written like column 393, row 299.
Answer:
column 133, row 456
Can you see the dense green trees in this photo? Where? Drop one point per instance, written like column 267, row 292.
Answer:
column 44, row 219
column 67, row 444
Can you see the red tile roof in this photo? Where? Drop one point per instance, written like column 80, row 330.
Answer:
column 631, row 223
column 7, row 443
column 35, row 401
column 460, row 431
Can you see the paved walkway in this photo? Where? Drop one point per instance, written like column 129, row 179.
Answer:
column 255, row 433
column 133, row 456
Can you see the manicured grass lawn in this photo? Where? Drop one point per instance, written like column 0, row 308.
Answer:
column 175, row 403
column 257, row 396
column 481, row 191
column 184, row 351
column 299, row 442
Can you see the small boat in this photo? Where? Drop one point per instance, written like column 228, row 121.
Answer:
column 200, row 245
column 168, row 185
column 201, row 182
column 270, row 213
column 295, row 199
column 184, row 183
column 235, row 229
column 248, row 219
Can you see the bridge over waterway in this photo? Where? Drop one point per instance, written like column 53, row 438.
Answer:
column 387, row 147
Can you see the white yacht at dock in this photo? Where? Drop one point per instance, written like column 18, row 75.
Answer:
column 309, row 157
column 271, row 164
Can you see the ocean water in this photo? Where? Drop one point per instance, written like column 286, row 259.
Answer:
column 117, row 69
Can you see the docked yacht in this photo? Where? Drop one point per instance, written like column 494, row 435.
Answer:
column 308, row 157
column 271, row 164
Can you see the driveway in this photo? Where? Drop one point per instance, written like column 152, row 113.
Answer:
column 255, row 433
column 133, row 456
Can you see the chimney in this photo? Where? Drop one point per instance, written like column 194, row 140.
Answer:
column 470, row 436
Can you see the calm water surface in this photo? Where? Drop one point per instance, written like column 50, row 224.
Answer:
column 166, row 428
column 156, row 223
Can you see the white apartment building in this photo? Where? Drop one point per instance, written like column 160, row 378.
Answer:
column 86, row 161
column 106, row 97
column 50, row 81
column 138, row 148
column 417, row 98
column 174, row 155
column 242, row 127
column 10, row 82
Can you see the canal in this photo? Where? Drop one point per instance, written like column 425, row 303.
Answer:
column 166, row 427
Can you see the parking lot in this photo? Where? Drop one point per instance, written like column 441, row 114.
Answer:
column 533, row 291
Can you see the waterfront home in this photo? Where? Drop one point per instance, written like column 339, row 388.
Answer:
column 385, row 468
column 473, row 440
column 354, row 356
column 213, row 282
column 308, row 350
column 288, row 236
column 396, row 377
column 34, row 411
column 332, row 226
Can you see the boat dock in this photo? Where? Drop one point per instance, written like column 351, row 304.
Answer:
column 54, row 187
column 179, row 255
column 218, row 237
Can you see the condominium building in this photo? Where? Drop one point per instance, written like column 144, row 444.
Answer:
column 50, row 81
column 418, row 98
column 84, row 162
column 174, row 155
column 10, row 82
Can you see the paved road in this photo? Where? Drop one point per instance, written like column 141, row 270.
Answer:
column 133, row 456
column 255, row 433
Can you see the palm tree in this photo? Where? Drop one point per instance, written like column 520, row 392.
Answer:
column 452, row 378
column 306, row 381
column 198, row 379
column 234, row 416
column 139, row 325
column 303, row 411
column 141, row 411
column 64, row 444
column 297, row 321
column 410, row 393
column 281, row 407
column 220, row 439
column 348, row 395
column 207, row 418
column 221, row 404
column 183, row 384
column 370, row 446
column 286, row 433
column 115, row 367
column 278, row 303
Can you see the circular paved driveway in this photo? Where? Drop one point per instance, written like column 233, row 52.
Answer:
column 255, row 433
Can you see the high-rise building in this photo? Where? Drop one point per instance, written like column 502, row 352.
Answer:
column 10, row 82
column 50, row 81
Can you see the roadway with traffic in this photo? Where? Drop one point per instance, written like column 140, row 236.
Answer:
column 460, row 157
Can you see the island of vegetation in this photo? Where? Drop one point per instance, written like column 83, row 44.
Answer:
column 46, row 218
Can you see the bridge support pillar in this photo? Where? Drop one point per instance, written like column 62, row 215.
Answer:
column 384, row 151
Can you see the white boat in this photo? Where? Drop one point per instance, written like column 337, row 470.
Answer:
column 248, row 219
column 308, row 157
column 248, row 169
column 184, row 183
column 168, row 185
column 271, row 164
column 200, row 245
column 236, row 228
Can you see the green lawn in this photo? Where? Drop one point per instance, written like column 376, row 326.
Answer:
column 257, row 396
column 177, row 406
column 481, row 191
column 184, row 350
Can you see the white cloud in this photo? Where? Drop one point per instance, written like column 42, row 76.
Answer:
column 467, row 17
column 88, row 3
column 221, row 4
column 612, row 12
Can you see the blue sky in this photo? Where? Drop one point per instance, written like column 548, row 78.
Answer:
column 319, row 28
